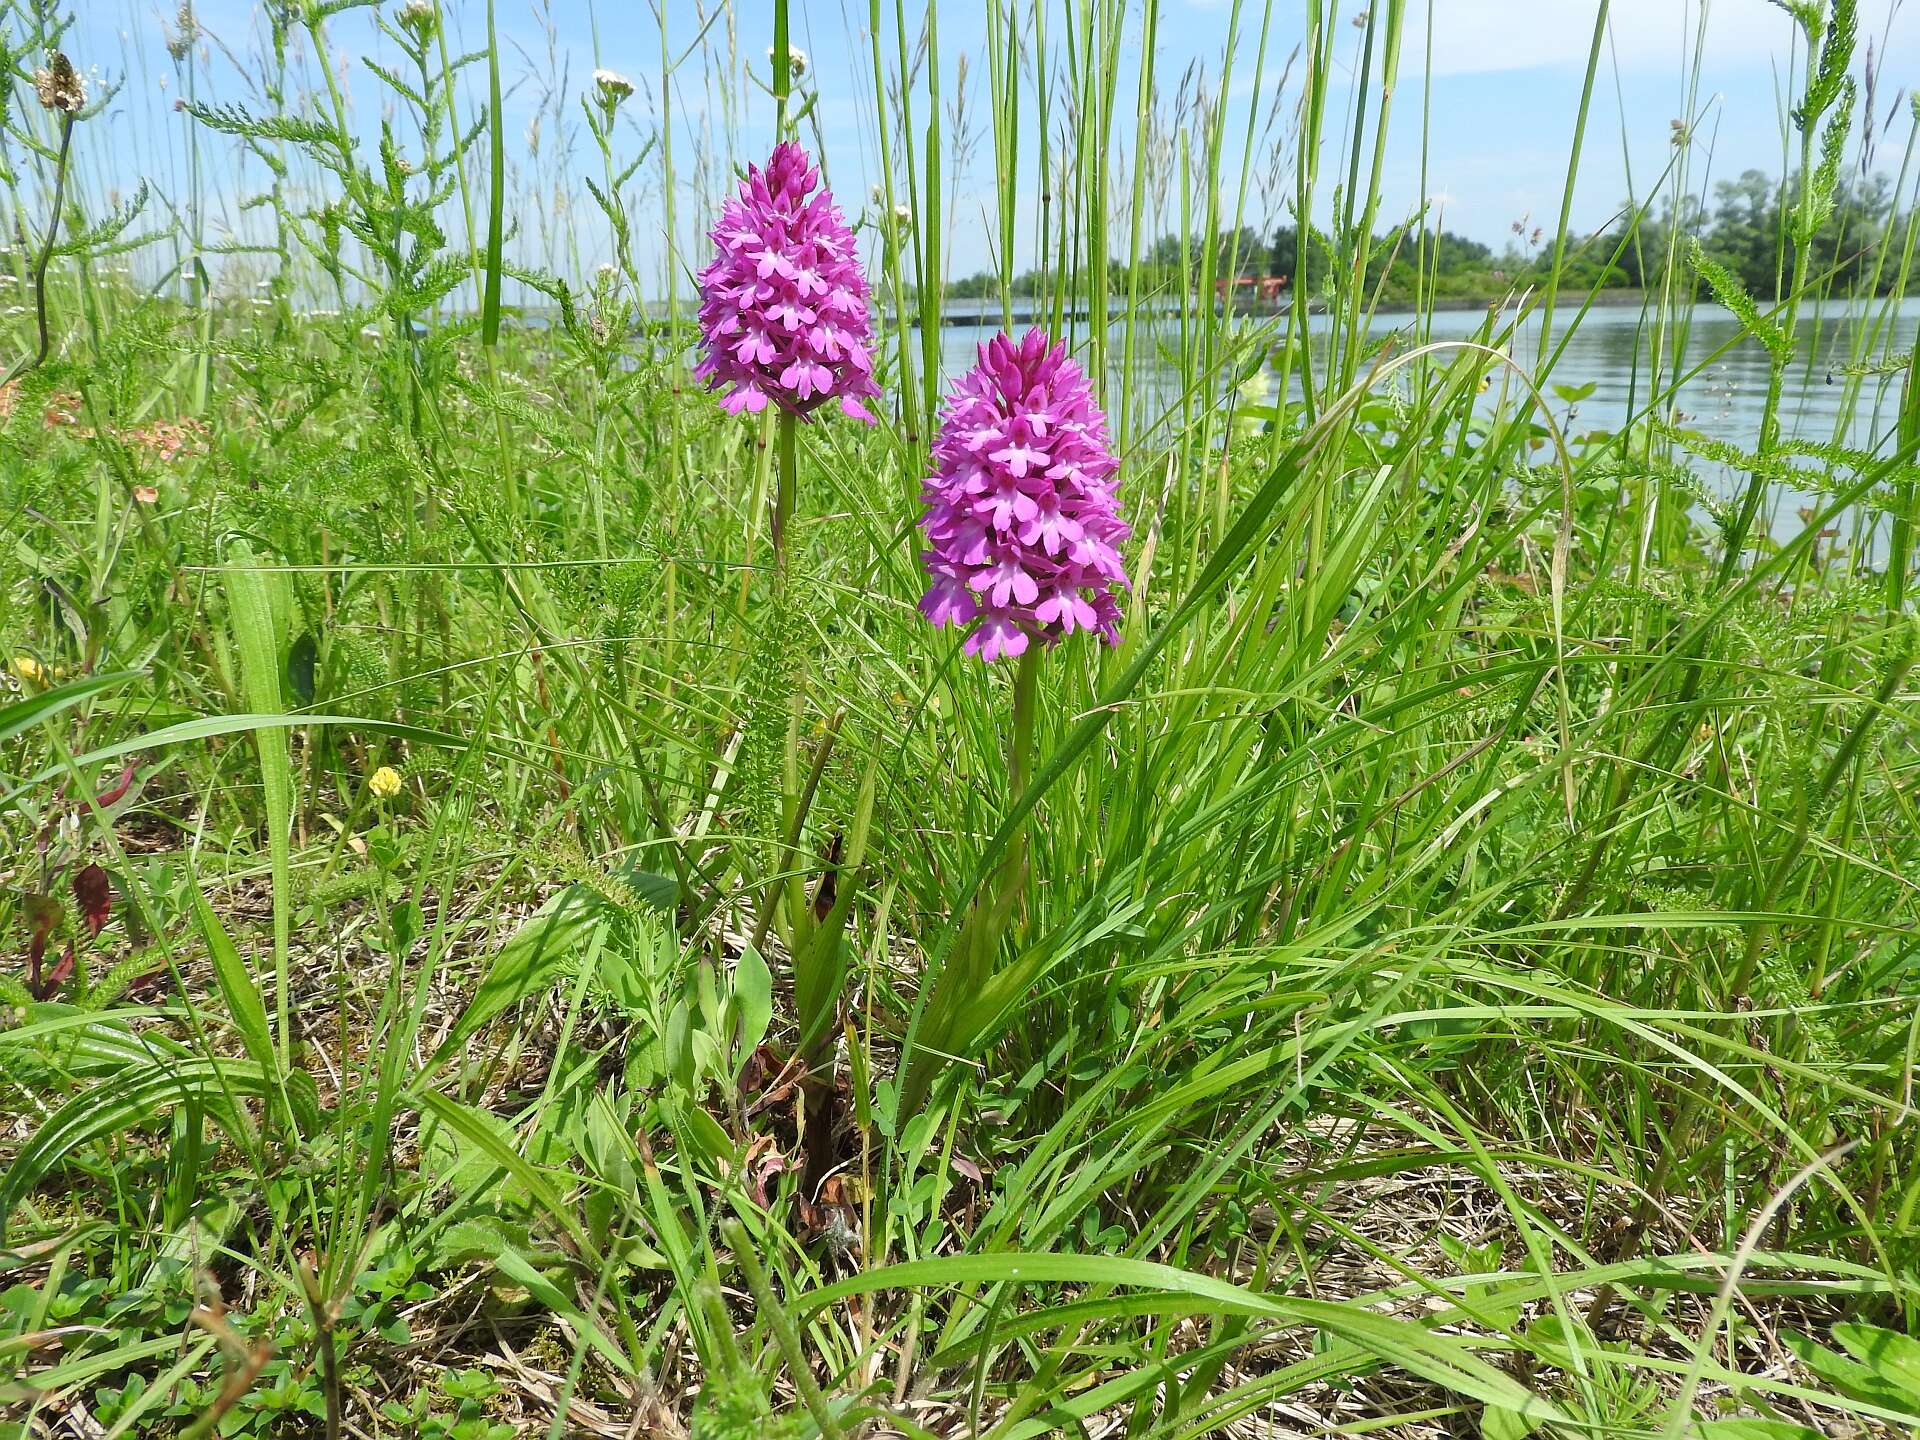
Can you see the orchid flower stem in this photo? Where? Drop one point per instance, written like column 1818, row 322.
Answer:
column 1026, row 683
column 789, row 485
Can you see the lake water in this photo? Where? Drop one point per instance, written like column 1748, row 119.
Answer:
column 1609, row 349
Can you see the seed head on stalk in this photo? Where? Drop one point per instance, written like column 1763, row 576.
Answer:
column 59, row 85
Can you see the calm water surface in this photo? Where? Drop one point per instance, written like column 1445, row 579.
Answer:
column 1610, row 350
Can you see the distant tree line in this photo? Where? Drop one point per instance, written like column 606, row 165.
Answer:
column 1864, row 244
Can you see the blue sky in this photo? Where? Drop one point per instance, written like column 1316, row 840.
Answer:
column 1501, row 95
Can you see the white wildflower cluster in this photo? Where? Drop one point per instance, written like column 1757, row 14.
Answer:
column 902, row 214
column 613, row 86
column 419, row 19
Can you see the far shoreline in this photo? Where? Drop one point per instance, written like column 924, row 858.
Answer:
column 1453, row 304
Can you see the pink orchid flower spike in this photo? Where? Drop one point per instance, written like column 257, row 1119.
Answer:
column 1022, row 522
column 783, row 305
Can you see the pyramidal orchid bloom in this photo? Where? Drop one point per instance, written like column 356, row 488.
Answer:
column 1022, row 521
column 783, row 305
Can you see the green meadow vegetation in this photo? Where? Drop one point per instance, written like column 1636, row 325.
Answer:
column 513, row 923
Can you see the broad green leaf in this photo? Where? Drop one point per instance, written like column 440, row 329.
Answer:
column 463, row 1163
column 521, row 1271
column 255, row 604
column 1497, row 1422
column 1844, row 1373
column 133, row 1098
column 485, row 1134
column 537, row 953
column 706, row 1132
column 30, row 711
column 753, row 992
column 1446, row 1360
column 1892, row 1357
column 465, row 1241
column 237, row 989
column 88, row 1044
column 302, row 656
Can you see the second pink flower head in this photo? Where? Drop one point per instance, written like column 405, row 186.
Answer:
column 1022, row 522
column 783, row 305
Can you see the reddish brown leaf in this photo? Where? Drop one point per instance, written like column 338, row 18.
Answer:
column 42, row 914
column 94, row 891
column 119, row 789
column 763, row 1162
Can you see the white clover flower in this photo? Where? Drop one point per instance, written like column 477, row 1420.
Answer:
column 796, row 60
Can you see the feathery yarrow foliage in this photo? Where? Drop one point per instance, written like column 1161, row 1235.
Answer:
column 783, row 305
column 1022, row 518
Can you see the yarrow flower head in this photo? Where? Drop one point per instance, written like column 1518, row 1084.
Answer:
column 419, row 19
column 1022, row 522
column 613, row 86
column 783, row 306
column 796, row 60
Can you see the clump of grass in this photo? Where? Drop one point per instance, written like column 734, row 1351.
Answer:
column 518, row 926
